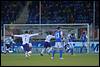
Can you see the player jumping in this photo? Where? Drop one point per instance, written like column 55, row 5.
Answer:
column 26, row 45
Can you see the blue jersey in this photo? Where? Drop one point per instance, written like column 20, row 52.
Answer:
column 84, row 38
column 58, row 36
column 71, row 38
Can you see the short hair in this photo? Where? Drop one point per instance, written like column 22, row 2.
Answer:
column 50, row 32
column 26, row 31
column 12, row 36
column 72, row 34
column 58, row 28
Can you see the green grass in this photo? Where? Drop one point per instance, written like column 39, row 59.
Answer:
column 37, row 60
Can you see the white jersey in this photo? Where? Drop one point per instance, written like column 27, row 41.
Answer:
column 70, row 42
column 26, row 37
column 48, row 38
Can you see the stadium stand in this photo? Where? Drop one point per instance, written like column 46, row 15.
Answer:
column 52, row 12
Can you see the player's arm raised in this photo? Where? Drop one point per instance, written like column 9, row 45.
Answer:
column 35, row 34
column 52, row 36
column 17, row 35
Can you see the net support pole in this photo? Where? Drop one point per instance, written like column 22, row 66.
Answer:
column 39, row 12
column 40, row 16
column 88, row 40
column 4, row 46
column 93, row 19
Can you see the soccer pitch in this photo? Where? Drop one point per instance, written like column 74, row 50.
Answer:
column 37, row 60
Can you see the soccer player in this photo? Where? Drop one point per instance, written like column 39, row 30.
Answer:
column 58, row 43
column 8, row 43
column 47, row 45
column 70, row 45
column 26, row 45
column 84, row 40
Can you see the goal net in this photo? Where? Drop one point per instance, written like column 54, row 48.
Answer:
column 77, row 29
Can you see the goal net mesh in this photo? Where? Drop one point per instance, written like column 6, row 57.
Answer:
column 77, row 29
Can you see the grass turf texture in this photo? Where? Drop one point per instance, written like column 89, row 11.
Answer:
column 37, row 60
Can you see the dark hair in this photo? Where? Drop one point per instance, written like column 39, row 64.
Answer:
column 58, row 28
column 12, row 36
column 26, row 31
column 72, row 34
column 50, row 32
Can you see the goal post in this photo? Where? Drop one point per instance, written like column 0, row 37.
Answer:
column 35, row 28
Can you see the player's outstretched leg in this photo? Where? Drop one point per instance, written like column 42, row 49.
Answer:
column 42, row 51
column 61, row 52
column 29, row 51
column 26, row 54
column 26, row 50
column 67, row 50
column 50, row 49
column 53, row 52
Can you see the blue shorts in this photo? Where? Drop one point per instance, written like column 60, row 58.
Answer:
column 26, row 47
column 47, row 44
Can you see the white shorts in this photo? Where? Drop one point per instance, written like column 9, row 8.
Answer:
column 58, row 45
column 30, row 45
